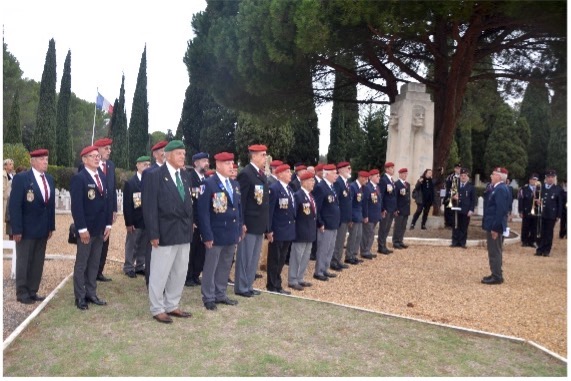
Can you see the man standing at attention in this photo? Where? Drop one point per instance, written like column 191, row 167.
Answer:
column 372, row 197
column 389, row 208
column 466, row 200
column 341, row 187
column 552, row 205
column 168, row 218
column 525, row 205
column 358, row 216
column 402, row 191
column 32, row 213
column 495, row 222
column 255, row 210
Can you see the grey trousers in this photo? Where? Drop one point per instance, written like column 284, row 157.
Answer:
column 325, row 245
column 399, row 229
column 86, row 267
column 30, row 255
column 495, row 254
column 215, row 273
column 339, row 243
column 298, row 260
column 168, row 273
column 136, row 246
column 384, row 227
column 354, row 240
column 368, row 237
column 247, row 259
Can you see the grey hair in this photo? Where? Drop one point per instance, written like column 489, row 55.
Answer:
column 8, row 161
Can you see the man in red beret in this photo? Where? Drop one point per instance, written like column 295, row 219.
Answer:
column 318, row 173
column 389, row 207
column 402, row 191
column 255, row 195
column 295, row 183
column 32, row 215
column 92, row 212
column 358, row 217
column 158, row 151
column 372, row 196
column 272, row 177
column 341, row 187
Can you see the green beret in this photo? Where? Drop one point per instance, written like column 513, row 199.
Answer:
column 174, row 144
column 143, row 158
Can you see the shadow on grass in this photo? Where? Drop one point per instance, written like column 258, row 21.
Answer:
column 268, row 335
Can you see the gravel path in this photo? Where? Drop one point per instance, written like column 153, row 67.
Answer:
column 439, row 284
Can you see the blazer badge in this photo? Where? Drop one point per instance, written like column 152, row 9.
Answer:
column 30, row 195
column 330, row 198
column 219, row 202
column 359, row 196
column 403, row 191
column 374, row 198
column 390, row 188
column 283, row 202
column 306, row 208
column 259, row 193
column 91, row 194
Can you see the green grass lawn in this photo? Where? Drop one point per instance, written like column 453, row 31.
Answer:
column 268, row 335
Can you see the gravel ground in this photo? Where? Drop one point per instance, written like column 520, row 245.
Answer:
column 438, row 284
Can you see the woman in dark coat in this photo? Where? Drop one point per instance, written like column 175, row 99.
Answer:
column 424, row 196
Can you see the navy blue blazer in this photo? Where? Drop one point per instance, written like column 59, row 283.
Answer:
column 388, row 194
column 89, row 208
column 282, row 213
column 467, row 198
column 358, row 204
column 29, row 214
column 552, row 201
column 372, row 196
column 403, row 200
column 327, row 202
column 344, row 196
column 132, row 203
column 167, row 217
column 496, row 209
column 305, row 218
column 219, row 216
column 525, row 199
column 255, row 200
column 109, row 180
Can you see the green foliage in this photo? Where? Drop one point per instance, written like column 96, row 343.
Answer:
column 45, row 132
column 62, row 175
column 178, row 134
column 306, row 137
column 157, row 136
column 118, row 131
column 18, row 153
column 557, row 149
column 13, row 133
column 139, row 122
column 12, row 79
column 219, row 134
column 453, row 158
column 374, row 150
column 64, row 150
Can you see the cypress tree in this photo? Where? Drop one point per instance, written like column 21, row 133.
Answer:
column 118, row 132
column 557, row 149
column 191, row 117
column 45, row 131
column 13, row 132
column 64, row 146
column 306, row 137
column 139, row 123
column 374, row 150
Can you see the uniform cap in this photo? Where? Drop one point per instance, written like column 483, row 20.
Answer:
column 389, row 164
column 40, row 152
column 550, row 172
column 306, row 176
column 174, row 144
column 501, row 170
column 534, row 176
column 329, row 167
column 200, row 155
column 319, row 167
column 257, row 148
column 224, row 156
column 464, row 171
column 141, row 159
column 281, row 168
column 300, row 168
column 363, row 174
column 458, row 165
column 209, row 173
column 88, row 149
column 343, row 164
column 276, row 163
column 104, row 142
column 159, row 145
column 373, row 172
column 403, row 170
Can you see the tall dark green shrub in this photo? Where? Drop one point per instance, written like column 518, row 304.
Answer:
column 139, row 122
column 64, row 145
column 45, row 131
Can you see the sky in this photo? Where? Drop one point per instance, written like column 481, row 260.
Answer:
column 108, row 41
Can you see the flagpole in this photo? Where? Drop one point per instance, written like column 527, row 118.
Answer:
column 94, row 113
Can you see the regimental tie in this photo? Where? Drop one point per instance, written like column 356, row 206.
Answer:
column 179, row 186
column 46, row 196
column 229, row 190
column 261, row 171
column 104, row 168
column 99, row 186
column 312, row 203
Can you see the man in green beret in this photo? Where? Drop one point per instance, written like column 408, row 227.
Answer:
column 136, row 242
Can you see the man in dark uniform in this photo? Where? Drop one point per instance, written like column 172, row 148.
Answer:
column 254, row 191
column 328, row 220
column 282, row 225
column 305, row 232
column 273, row 165
column 552, row 204
column 389, row 208
column 318, row 179
column 136, row 242
column 197, row 249
column 372, row 197
column 92, row 212
column 358, row 216
column 343, row 193
column 295, row 183
column 219, row 221
column 402, row 192
column 495, row 222
column 466, row 200
column 525, row 197
column 32, row 213
column 452, row 178
column 168, row 218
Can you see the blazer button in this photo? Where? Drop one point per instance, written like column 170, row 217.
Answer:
column 234, row 209
column 234, row 220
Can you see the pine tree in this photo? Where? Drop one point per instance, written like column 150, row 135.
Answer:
column 139, row 122
column 118, row 132
column 306, row 137
column 13, row 132
column 45, row 131
column 191, row 118
column 64, row 144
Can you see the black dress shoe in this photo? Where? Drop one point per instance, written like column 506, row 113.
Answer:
column 103, row 278
column 305, row 284
column 492, row 280
column 131, row 274
column 546, row 254
column 538, row 254
column 255, row 292
column 343, row 266
column 336, row 268
column 95, row 300
column 403, row 246
column 190, row 283
column 227, row 301
column 320, row 277
column 81, row 304
column 463, row 246
column 284, row 292
column 25, row 300
column 140, row 272
column 411, row 227
column 384, row 250
column 352, row 261
column 211, row 306
column 397, row 246
column 487, row 277
column 258, row 276
column 296, row 287
column 37, row 298
column 366, row 256
column 329, row 275
column 373, row 255
column 423, row 227
column 244, row 294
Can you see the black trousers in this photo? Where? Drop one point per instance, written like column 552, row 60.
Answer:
column 103, row 258
column 30, row 255
column 277, row 252
column 546, row 240
column 460, row 232
column 424, row 209
column 196, row 259
column 563, row 223
column 528, row 230
column 448, row 217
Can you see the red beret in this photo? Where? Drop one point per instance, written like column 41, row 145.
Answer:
column 389, row 164
column 501, row 170
column 281, row 168
column 159, row 145
column 88, row 149
column 300, row 168
column 363, row 174
column 319, row 167
column 373, row 172
column 329, row 167
column 104, row 142
column 40, row 152
column 343, row 164
column 402, row 170
column 257, row 148
column 224, row 156
column 504, row 171
column 276, row 163
column 305, row 176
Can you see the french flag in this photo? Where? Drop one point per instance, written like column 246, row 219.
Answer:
column 103, row 104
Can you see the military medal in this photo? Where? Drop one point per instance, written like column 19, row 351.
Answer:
column 30, row 195
column 344, row 193
column 374, row 198
column 283, row 202
column 137, row 199
column 259, row 193
column 219, row 202
column 91, row 194
column 359, row 196
column 330, row 198
column 389, row 188
column 306, row 208
column 403, row 191
column 195, row 192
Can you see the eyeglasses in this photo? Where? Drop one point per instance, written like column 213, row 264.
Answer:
column 94, row 156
